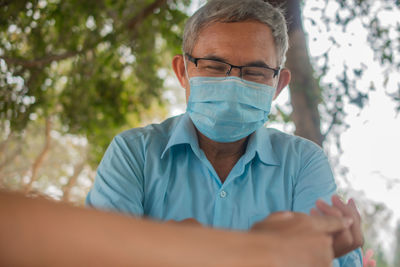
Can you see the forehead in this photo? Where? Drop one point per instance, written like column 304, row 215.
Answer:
column 237, row 42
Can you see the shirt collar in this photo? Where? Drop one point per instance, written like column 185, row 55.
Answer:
column 183, row 133
column 260, row 143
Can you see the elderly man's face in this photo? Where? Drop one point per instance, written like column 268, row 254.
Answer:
column 239, row 43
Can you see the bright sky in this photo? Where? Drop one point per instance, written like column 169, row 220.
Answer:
column 371, row 144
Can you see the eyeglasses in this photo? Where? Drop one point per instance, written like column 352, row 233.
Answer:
column 219, row 68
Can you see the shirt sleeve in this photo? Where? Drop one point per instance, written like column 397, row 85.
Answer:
column 352, row 259
column 118, row 185
column 315, row 181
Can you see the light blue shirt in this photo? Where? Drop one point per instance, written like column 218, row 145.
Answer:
column 159, row 171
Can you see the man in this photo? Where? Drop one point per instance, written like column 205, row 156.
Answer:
column 216, row 164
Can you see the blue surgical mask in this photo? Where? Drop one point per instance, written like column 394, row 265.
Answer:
column 227, row 109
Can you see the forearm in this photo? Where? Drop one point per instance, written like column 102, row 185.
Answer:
column 37, row 232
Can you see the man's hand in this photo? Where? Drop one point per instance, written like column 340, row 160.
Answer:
column 348, row 239
column 308, row 239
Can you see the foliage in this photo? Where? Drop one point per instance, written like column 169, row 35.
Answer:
column 91, row 63
column 383, row 38
column 397, row 246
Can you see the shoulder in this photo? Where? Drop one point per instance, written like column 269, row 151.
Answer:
column 155, row 132
column 293, row 152
column 296, row 145
column 137, row 142
column 303, row 158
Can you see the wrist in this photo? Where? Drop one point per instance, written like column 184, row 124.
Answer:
column 253, row 249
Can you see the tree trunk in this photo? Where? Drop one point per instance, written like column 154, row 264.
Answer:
column 72, row 180
column 41, row 157
column 304, row 90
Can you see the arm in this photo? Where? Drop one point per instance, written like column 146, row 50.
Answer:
column 118, row 185
column 315, row 181
column 37, row 232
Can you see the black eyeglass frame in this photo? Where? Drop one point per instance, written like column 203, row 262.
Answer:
column 195, row 59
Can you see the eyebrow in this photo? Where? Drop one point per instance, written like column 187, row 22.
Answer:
column 257, row 63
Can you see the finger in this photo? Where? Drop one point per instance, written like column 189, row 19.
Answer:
column 314, row 212
column 350, row 210
column 327, row 209
column 353, row 206
column 331, row 224
column 338, row 203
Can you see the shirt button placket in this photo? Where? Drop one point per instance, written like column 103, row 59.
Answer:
column 221, row 210
column 222, row 194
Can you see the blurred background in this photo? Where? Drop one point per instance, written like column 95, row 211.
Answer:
column 75, row 73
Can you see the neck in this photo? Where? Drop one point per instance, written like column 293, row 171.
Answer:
column 217, row 152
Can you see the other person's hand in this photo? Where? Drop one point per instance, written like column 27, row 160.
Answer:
column 348, row 239
column 308, row 239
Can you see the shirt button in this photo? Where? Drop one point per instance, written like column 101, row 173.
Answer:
column 222, row 194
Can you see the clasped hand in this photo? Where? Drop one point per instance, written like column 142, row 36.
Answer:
column 330, row 232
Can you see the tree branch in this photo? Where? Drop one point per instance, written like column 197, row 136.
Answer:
column 333, row 122
column 139, row 18
column 72, row 180
column 41, row 157
column 4, row 3
column 41, row 62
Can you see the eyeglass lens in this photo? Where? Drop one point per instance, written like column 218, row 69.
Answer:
column 206, row 67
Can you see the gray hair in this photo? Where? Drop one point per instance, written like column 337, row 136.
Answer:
column 237, row 11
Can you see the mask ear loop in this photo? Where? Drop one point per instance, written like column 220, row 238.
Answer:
column 277, row 80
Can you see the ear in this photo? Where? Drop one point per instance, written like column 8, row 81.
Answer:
column 178, row 65
column 284, row 79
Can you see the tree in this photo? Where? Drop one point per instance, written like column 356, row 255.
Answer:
column 56, row 55
column 308, row 94
column 90, row 66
